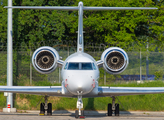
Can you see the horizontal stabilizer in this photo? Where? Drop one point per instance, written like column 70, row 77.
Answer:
column 44, row 8
column 119, row 8
column 77, row 8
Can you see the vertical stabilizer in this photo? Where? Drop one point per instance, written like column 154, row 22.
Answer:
column 80, row 42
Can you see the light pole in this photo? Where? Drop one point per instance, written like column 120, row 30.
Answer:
column 9, row 60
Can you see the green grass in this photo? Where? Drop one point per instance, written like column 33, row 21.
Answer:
column 150, row 102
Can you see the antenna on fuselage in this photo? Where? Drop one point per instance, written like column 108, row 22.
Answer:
column 80, row 8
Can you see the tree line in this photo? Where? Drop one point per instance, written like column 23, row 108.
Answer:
column 128, row 29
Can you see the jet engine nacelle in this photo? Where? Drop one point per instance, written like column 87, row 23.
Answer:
column 45, row 59
column 115, row 60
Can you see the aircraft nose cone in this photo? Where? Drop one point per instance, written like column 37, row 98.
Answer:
column 79, row 83
column 80, row 88
column 77, row 87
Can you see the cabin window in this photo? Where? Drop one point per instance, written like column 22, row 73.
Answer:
column 73, row 66
column 86, row 66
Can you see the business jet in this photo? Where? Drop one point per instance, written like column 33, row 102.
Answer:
column 80, row 71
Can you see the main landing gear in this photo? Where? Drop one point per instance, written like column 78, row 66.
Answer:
column 113, row 108
column 79, row 113
column 45, row 107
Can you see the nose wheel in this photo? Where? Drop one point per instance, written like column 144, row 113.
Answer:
column 76, row 114
column 79, row 113
column 79, row 116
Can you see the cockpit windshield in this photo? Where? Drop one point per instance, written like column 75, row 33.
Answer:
column 86, row 66
column 79, row 66
column 73, row 66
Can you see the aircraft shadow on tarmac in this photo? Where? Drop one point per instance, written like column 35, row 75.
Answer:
column 89, row 111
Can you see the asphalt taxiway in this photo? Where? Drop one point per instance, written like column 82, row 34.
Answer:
column 89, row 115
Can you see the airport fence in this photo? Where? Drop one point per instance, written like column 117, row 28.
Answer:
column 142, row 65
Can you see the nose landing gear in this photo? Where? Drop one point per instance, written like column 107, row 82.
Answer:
column 79, row 113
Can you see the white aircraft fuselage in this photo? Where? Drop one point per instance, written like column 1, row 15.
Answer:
column 80, row 74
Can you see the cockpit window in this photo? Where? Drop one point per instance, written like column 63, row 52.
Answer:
column 80, row 66
column 66, row 65
column 94, row 67
column 86, row 66
column 73, row 66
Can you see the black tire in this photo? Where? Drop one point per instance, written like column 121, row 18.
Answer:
column 49, row 110
column 82, row 112
column 109, row 109
column 42, row 110
column 76, row 114
column 116, row 109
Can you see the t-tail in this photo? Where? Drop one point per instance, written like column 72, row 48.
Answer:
column 80, row 8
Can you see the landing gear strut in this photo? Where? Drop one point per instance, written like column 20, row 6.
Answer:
column 45, row 107
column 113, row 108
column 79, row 113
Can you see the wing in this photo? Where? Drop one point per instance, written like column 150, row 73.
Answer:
column 37, row 90
column 122, row 91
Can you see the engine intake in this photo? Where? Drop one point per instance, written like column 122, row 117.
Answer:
column 115, row 60
column 45, row 59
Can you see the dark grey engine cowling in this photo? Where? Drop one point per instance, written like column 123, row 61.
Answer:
column 115, row 60
column 45, row 59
